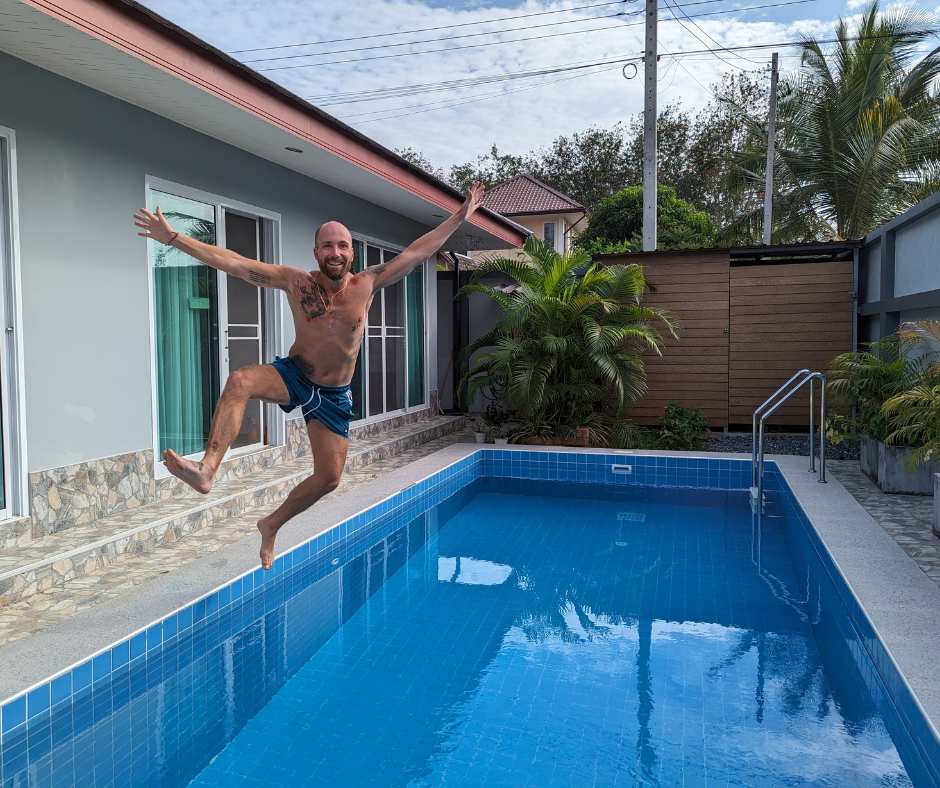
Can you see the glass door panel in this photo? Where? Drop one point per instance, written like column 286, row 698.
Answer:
column 244, row 320
column 358, row 384
column 394, row 346
column 186, row 328
column 414, row 287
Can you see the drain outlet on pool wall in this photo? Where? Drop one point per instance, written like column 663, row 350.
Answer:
column 625, row 470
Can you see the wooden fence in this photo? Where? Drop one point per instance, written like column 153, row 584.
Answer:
column 748, row 319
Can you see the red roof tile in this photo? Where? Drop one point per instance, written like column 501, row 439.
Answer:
column 524, row 194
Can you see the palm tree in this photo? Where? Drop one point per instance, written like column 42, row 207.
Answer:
column 859, row 131
column 566, row 351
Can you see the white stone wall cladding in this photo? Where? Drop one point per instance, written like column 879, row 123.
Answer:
column 82, row 493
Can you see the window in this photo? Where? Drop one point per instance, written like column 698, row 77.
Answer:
column 389, row 375
column 548, row 234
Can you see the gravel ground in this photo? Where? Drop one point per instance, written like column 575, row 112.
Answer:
column 778, row 443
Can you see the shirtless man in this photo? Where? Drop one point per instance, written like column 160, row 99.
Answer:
column 330, row 307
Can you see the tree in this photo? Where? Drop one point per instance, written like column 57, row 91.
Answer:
column 490, row 169
column 588, row 166
column 859, row 131
column 418, row 159
column 616, row 225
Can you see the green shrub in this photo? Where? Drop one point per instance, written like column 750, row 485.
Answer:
column 683, row 429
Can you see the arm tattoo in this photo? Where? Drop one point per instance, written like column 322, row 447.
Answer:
column 257, row 278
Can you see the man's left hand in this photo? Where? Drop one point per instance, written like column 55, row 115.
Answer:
column 474, row 198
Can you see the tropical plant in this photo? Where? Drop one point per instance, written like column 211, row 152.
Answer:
column 616, row 224
column 858, row 131
column 566, row 350
column 863, row 382
column 914, row 415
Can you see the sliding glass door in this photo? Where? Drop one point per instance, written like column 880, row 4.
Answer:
column 206, row 324
column 390, row 376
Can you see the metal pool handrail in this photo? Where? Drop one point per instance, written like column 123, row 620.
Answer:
column 792, row 386
column 760, row 409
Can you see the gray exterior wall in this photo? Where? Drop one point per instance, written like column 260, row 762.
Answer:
column 82, row 158
column 899, row 271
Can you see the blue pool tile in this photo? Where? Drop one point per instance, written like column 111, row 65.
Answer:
column 170, row 626
column 37, row 701
column 138, row 645
column 120, row 654
column 14, row 713
column 61, row 688
column 154, row 636
column 81, row 676
column 101, row 666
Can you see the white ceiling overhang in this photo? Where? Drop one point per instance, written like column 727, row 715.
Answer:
column 126, row 52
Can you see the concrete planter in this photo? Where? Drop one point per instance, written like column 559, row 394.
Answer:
column 868, row 457
column 887, row 466
column 936, row 504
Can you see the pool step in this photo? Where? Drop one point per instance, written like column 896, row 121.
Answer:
column 58, row 558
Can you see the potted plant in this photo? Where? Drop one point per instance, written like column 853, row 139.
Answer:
column 479, row 431
column 886, row 390
column 502, row 434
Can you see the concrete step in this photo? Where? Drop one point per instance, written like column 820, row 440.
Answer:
column 58, row 558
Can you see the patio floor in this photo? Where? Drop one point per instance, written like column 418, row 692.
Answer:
column 907, row 518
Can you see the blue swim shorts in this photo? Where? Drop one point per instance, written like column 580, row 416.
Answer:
column 330, row 405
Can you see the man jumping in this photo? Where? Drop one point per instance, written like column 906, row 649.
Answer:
column 330, row 308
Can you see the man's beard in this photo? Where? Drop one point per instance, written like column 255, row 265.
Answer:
column 333, row 275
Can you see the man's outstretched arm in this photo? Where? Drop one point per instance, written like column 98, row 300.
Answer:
column 421, row 249
column 157, row 227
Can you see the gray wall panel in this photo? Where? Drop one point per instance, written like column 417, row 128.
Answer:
column 82, row 159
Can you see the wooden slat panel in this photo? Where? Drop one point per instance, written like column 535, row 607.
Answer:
column 693, row 370
column 784, row 317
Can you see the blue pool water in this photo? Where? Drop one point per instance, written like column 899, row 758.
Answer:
column 519, row 632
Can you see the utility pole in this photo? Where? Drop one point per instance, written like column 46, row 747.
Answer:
column 771, row 146
column 649, row 130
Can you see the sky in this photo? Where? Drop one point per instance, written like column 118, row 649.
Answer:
column 458, row 123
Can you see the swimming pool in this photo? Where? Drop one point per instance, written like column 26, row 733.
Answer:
column 520, row 618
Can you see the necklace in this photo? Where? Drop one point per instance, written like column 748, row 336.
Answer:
column 328, row 301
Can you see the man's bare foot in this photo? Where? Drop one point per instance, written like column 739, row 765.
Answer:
column 188, row 471
column 268, row 533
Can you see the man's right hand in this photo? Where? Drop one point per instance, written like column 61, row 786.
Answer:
column 155, row 225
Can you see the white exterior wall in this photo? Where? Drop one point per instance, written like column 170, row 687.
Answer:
column 82, row 160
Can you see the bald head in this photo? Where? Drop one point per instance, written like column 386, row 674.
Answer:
column 333, row 249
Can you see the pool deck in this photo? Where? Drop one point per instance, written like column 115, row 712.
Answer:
column 901, row 601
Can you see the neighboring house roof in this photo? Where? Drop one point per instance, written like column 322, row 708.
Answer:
column 125, row 50
column 524, row 194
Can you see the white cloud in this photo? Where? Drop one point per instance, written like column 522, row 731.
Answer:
column 518, row 115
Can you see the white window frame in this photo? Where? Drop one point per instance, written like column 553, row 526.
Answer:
column 11, row 312
column 554, row 226
column 274, row 417
column 364, row 351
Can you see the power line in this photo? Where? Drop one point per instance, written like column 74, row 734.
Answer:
column 695, row 35
column 447, row 38
column 526, row 38
column 452, row 105
column 355, row 97
column 674, row 6
column 425, row 29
